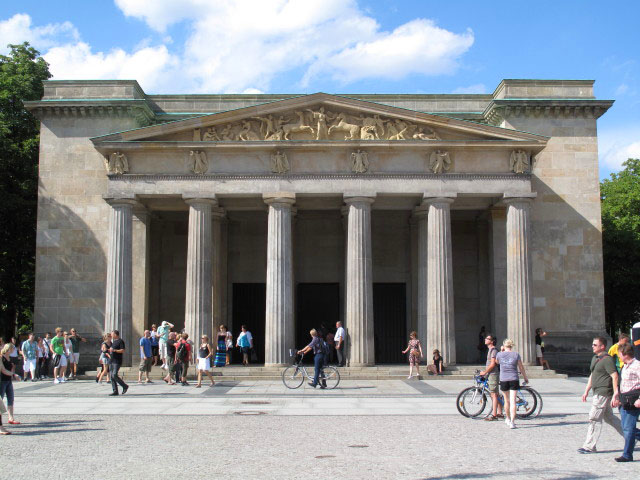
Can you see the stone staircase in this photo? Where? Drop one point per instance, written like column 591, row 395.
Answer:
column 380, row 372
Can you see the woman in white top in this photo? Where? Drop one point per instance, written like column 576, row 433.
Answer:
column 229, row 346
column 68, row 352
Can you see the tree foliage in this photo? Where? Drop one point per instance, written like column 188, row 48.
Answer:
column 620, row 197
column 21, row 75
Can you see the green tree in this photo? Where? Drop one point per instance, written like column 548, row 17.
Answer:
column 620, row 197
column 21, row 75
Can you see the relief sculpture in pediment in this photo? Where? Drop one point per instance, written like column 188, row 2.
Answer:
column 317, row 124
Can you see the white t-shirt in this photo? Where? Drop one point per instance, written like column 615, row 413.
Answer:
column 68, row 347
column 339, row 335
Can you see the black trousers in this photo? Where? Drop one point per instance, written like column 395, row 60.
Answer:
column 114, row 368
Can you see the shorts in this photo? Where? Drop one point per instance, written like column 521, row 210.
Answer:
column 145, row 365
column 163, row 349
column 155, row 350
column 171, row 364
column 245, row 350
column 204, row 364
column 538, row 351
column 59, row 360
column 493, row 383
column 30, row 365
column 509, row 385
column 75, row 358
column 104, row 360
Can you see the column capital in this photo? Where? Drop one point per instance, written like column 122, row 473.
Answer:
column 513, row 198
column 435, row 199
column 196, row 199
column 364, row 197
column 115, row 200
column 279, row 198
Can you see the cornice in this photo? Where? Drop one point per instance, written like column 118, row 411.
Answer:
column 137, row 108
column 499, row 109
column 140, row 177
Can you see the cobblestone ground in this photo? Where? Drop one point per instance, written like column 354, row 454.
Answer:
column 286, row 447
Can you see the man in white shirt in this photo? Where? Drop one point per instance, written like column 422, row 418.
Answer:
column 163, row 336
column 339, row 339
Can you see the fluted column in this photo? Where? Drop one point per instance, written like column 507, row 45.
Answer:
column 118, row 306
column 519, row 277
column 421, row 216
column 279, row 327
column 440, row 316
column 359, row 315
column 197, row 312
column 219, row 277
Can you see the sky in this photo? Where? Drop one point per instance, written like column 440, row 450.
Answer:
column 345, row 46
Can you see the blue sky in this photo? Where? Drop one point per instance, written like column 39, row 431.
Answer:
column 345, row 46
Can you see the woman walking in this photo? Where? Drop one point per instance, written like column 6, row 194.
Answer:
column 105, row 358
column 7, row 375
column 204, row 360
column 415, row 353
column 510, row 362
column 245, row 342
column 221, row 350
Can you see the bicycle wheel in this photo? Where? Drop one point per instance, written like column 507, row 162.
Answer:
column 471, row 401
column 292, row 376
column 538, row 409
column 331, row 376
column 526, row 402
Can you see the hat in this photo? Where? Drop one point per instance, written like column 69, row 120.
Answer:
column 165, row 323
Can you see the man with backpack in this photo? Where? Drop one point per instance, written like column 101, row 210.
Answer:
column 183, row 354
column 604, row 383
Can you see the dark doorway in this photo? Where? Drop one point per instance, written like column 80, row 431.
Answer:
column 316, row 304
column 249, row 305
column 389, row 322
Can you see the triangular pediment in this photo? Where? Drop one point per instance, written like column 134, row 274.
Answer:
column 320, row 117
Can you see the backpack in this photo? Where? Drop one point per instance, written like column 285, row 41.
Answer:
column 182, row 352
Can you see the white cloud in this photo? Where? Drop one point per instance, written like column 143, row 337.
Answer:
column 18, row 29
column 477, row 88
column 622, row 89
column 617, row 145
column 243, row 45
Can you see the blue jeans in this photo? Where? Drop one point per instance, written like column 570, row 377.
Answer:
column 629, row 418
column 7, row 387
column 318, row 363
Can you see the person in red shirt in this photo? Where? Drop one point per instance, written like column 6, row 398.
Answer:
column 183, row 354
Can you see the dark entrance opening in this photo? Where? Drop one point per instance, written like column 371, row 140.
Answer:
column 249, row 306
column 316, row 304
column 389, row 322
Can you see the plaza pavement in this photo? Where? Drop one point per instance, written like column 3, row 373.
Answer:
column 363, row 429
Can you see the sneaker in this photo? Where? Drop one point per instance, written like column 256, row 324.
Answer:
column 56, row 381
column 311, row 384
column 114, row 394
column 63, row 380
column 617, row 459
column 124, row 389
column 586, row 450
column 512, row 425
column 507, row 421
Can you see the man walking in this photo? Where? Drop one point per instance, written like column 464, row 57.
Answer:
column 146, row 356
column 59, row 357
column 75, row 340
column 604, row 383
column 623, row 338
column 29, row 352
column 117, row 350
column 628, row 399
column 339, row 341
column 46, row 343
column 163, row 336
column 493, row 371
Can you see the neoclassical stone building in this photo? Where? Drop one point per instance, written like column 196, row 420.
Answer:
column 439, row 213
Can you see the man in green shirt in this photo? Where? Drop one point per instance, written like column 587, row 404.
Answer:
column 604, row 383
column 59, row 358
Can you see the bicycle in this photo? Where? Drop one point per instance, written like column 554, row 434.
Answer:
column 472, row 401
column 294, row 375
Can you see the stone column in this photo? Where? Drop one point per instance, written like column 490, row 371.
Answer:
column 140, row 272
column 519, row 277
column 421, row 217
column 498, row 272
column 279, row 327
column 440, row 316
column 118, row 307
column 359, row 314
column 219, row 274
column 197, row 315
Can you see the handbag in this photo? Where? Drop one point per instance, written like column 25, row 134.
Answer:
column 628, row 399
